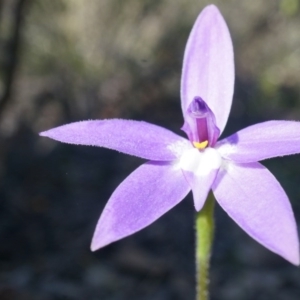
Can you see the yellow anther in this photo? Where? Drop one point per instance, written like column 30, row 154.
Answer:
column 201, row 145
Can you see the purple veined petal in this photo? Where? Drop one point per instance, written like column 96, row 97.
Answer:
column 136, row 138
column 144, row 196
column 208, row 65
column 262, row 141
column 200, row 169
column 255, row 200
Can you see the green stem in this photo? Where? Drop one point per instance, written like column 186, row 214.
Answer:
column 204, row 238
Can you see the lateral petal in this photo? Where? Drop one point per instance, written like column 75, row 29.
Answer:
column 208, row 66
column 262, row 141
column 145, row 195
column 136, row 138
column 255, row 200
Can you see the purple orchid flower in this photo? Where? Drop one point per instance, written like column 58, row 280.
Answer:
column 244, row 188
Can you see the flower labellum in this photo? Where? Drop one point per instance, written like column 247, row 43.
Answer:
column 243, row 187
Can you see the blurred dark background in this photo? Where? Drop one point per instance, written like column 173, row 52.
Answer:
column 70, row 60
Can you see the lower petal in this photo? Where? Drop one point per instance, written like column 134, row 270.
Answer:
column 200, row 186
column 254, row 199
column 144, row 196
column 200, row 169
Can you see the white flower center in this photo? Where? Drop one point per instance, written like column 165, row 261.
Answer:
column 200, row 162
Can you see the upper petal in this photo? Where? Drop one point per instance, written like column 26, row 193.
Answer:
column 131, row 137
column 208, row 66
column 254, row 199
column 262, row 141
column 145, row 195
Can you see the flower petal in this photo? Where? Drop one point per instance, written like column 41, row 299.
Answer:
column 262, row 141
column 200, row 169
column 137, row 138
column 145, row 195
column 208, row 66
column 254, row 199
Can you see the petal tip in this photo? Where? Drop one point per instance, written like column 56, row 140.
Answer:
column 98, row 243
column 294, row 259
column 296, row 262
column 197, row 207
column 212, row 10
column 211, row 7
column 48, row 133
column 94, row 246
column 43, row 133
